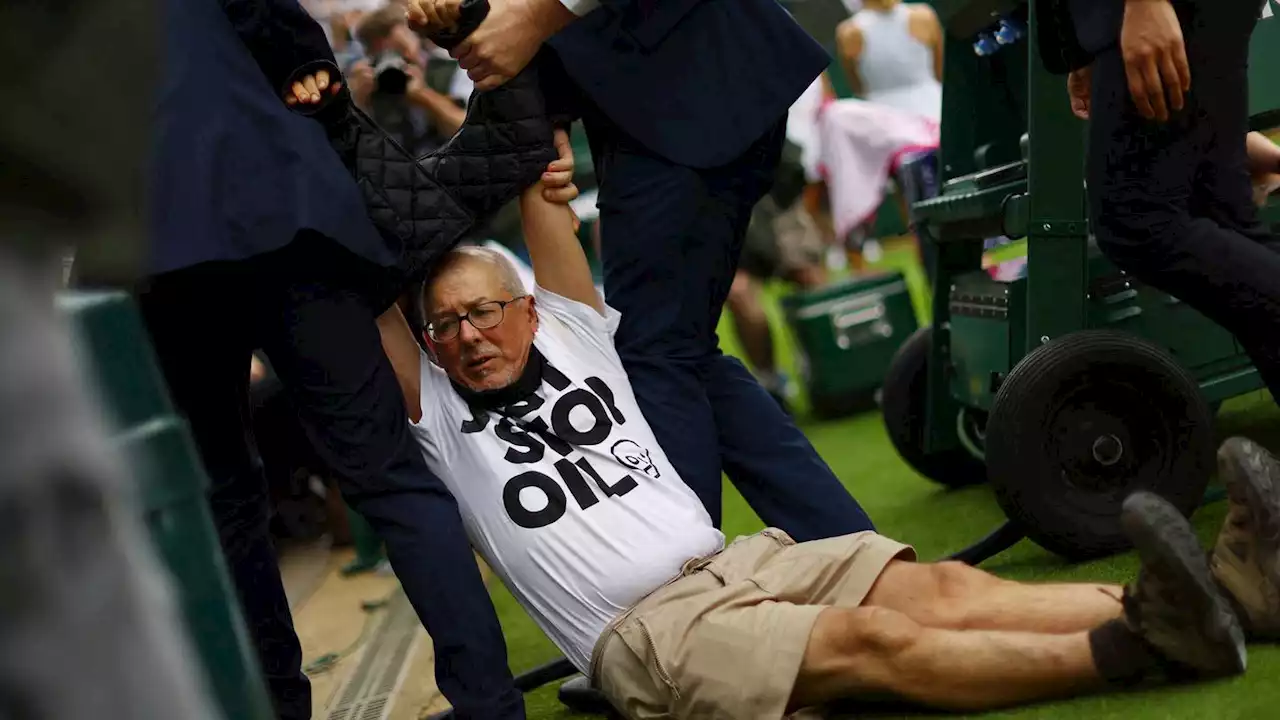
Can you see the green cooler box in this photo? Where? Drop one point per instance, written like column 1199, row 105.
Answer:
column 846, row 334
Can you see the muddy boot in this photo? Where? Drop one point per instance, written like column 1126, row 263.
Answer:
column 1246, row 558
column 1174, row 604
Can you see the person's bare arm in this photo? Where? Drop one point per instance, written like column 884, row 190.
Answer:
column 448, row 116
column 405, row 356
column 1264, row 155
column 849, row 47
column 1264, row 166
column 931, row 33
column 443, row 110
column 559, row 262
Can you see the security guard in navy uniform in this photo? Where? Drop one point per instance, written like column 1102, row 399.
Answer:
column 1170, row 196
column 260, row 238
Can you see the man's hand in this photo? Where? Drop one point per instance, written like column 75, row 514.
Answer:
column 430, row 16
column 504, row 43
column 557, row 181
column 308, row 90
column 1155, row 57
column 1079, row 88
column 257, row 371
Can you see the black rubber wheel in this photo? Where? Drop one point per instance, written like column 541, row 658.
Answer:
column 1085, row 420
column 903, row 404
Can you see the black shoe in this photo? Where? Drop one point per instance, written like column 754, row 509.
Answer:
column 578, row 695
column 1175, row 605
column 422, row 207
column 1246, row 558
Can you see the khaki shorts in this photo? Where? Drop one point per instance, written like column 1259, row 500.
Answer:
column 726, row 638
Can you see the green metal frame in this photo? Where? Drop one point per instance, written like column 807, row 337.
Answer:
column 990, row 189
column 170, row 490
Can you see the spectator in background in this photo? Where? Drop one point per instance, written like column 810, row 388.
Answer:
column 891, row 53
column 393, row 83
column 338, row 19
column 783, row 241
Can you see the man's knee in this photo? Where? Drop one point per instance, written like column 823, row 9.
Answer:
column 867, row 643
column 942, row 595
column 953, row 591
column 1134, row 236
column 954, row 580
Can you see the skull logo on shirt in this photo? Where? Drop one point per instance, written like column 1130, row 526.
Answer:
column 631, row 454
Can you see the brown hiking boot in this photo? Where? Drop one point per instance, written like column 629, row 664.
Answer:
column 1175, row 605
column 1246, row 559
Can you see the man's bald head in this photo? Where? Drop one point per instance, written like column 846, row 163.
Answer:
column 474, row 263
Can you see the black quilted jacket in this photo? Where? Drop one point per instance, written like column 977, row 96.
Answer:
column 423, row 207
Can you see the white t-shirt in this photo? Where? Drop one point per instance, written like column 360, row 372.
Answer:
column 567, row 496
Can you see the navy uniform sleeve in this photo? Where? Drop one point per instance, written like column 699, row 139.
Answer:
column 283, row 38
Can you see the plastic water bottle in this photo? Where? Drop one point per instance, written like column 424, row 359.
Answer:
column 1011, row 30
column 986, row 44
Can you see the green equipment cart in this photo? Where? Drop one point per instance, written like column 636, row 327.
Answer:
column 1074, row 385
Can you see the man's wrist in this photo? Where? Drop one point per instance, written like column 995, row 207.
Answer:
column 579, row 7
column 551, row 16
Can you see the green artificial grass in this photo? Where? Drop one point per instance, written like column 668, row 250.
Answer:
column 936, row 521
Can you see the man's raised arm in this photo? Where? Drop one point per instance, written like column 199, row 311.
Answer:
column 559, row 262
column 405, row 356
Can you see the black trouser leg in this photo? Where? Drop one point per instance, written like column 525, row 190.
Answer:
column 1171, row 203
column 204, row 345
column 323, row 342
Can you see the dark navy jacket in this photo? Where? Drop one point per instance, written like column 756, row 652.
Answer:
column 695, row 81
column 1097, row 23
column 1072, row 32
column 234, row 172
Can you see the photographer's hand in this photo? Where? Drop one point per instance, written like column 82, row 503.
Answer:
column 446, row 114
column 360, row 81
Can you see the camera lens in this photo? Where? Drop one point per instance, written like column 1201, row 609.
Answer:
column 389, row 74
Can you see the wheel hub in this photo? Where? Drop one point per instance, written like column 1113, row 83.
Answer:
column 1095, row 441
column 1107, row 450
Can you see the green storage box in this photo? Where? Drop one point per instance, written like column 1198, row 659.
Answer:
column 846, row 334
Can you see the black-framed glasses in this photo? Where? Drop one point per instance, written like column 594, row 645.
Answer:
column 484, row 316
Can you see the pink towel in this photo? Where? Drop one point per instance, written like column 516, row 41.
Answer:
column 861, row 144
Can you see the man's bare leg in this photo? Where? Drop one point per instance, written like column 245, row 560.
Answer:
column 874, row 651
column 1175, row 613
column 955, row 596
